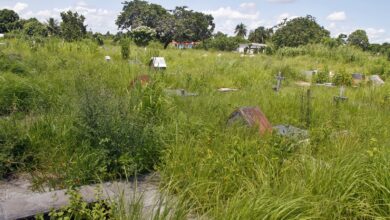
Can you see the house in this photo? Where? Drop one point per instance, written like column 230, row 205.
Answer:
column 184, row 45
column 251, row 48
column 158, row 63
column 1, row 35
column 251, row 116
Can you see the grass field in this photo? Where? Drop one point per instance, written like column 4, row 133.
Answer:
column 70, row 118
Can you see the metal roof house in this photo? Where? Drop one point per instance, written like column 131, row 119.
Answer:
column 251, row 116
column 250, row 48
column 158, row 63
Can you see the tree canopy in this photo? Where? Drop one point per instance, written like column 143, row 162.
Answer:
column 72, row 26
column 35, row 28
column 8, row 20
column 260, row 35
column 180, row 24
column 241, row 30
column 299, row 31
column 359, row 38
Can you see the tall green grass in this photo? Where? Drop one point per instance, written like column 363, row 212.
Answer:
column 83, row 123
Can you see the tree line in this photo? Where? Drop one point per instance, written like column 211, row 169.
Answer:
column 143, row 22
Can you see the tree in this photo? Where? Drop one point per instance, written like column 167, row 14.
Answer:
column 342, row 39
column 299, row 31
column 140, row 13
column 359, row 38
column 179, row 24
column 142, row 35
column 35, row 28
column 260, row 35
column 241, row 30
column 8, row 20
column 191, row 25
column 53, row 27
column 72, row 26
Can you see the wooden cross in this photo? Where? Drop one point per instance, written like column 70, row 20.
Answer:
column 279, row 79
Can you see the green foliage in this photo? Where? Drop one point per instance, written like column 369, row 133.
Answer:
column 180, row 25
column 14, row 145
column 241, row 30
column 79, row 209
column 20, row 95
column 299, row 31
column 72, row 26
column 142, row 35
column 9, row 20
column 260, row 35
column 322, row 76
column 12, row 63
column 359, row 39
column 125, row 49
column 35, row 28
column 342, row 78
column 222, row 43
column 125, row 130
column 53, row 27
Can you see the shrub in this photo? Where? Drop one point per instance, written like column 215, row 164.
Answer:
column 20, row 95
column 125, row 49
column 12, row 63
column 342, row 78
column 125, row 129
column 13, row 148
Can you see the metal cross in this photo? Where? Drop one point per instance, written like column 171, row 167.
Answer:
column 279, row 79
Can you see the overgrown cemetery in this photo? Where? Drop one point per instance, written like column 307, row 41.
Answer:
column 264, row 132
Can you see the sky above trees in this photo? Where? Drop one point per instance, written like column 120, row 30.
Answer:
column 338, row 16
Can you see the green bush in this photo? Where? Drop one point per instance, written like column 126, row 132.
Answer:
column 125, row 129
column 342, row 79
column 14, row 144
column 12, row 63
column 20, row 95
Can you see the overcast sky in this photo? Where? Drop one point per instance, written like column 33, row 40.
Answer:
column 338, row 16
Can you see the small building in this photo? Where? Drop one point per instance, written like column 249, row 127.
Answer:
column 1, row 35
column 251, row 116
column 158, row 63
column 184, row 45
column 251, row 48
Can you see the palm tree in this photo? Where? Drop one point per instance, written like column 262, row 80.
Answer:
column 53, row 27
column 241, row 30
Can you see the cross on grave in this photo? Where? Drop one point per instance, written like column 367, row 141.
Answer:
column 341, row 96
column 279, row 79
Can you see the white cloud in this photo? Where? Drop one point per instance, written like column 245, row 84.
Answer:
column 283, row 16
column 337, row 16
column 19, row 7
column 248, row 5
column 227, row 18
column 376, row 35
column 229, row 13
column 281, row 1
